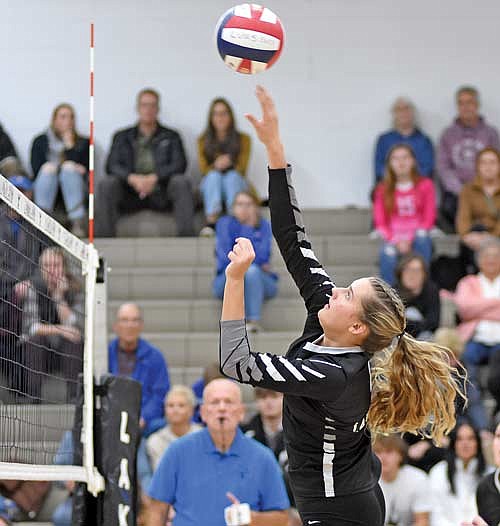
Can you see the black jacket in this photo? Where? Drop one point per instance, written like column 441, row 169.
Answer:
column 6, row 147
column 168, row 153
column 488, row 498
column 40, row 147
column 327, row 390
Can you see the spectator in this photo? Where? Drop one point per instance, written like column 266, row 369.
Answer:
column 260, row 282
column 457, row 150
column 404, row 210
column 407, row 500
column 130, row 355
column 145, row 169
column 420, row 296
column 60, row 159
column 405, row 131
column 52, row 325
column 478, row 215
column 210, row 372
column 201, row 472
column 179, row 409
column 453, row 481
column 223, row 154
column 478, row 304
column 9, row 161
column 63, row 514
column 488, row 491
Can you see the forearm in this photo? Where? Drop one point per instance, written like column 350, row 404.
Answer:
column 276, row 155
column 233, row 305
column 269, row 518
column 421, row 519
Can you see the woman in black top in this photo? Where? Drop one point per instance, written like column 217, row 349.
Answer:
column 330, row 406
column 420, row 296
column 60, row 159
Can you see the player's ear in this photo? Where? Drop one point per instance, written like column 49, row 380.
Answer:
column 358, row 328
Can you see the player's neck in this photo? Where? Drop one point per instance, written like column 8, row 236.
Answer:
column 128, row 346
column 147, row 128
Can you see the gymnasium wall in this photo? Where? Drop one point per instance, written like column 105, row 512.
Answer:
column 344, row 62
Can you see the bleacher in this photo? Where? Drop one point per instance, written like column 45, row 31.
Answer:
column 171, row 279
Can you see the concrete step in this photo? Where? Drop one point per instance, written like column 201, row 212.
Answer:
column 191, row 349
column 355, row 249
column 132, row 283
column 203, row 315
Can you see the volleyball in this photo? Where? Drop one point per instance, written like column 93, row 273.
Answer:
column 250, row 38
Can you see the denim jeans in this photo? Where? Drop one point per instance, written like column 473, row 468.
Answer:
column 217, row 187
column 476, row 354
column 72, row 187
column 63, row 513
column 259, row 285
column 389, row 255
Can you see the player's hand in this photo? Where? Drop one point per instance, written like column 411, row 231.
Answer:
column 268, row 129
column 241, row 258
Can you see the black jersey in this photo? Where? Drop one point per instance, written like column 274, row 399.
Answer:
column 488, row 498
column 327, row 390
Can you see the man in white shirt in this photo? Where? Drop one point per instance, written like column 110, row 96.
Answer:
column 405, row 488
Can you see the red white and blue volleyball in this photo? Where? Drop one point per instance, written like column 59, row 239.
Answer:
column 250, row 38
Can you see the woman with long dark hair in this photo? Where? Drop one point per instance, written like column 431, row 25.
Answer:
column 454, row 481
column 333, row 398
column 223, row 154
column 404, row 211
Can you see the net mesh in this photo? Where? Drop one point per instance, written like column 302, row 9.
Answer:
column 42, row 324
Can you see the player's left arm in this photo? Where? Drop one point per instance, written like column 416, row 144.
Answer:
column 269, row 518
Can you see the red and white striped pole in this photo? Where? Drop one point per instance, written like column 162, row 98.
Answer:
column 91, row 139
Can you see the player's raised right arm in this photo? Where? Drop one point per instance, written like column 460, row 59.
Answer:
column 288, row 228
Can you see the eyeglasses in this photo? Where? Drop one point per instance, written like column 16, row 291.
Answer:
column 130, row 320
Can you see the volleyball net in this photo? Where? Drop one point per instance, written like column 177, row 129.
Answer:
column 47, row 308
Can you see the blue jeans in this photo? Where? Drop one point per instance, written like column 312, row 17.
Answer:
column 217, row 187
column 477, row 354
column 72, row 187
column 259, row 285
column 389, row 255
column 63, row 514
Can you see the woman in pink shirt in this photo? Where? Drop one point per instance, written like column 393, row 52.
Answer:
column 404, row 210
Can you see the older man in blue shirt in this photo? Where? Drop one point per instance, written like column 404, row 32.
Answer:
column 202, row 473
column 130, row 355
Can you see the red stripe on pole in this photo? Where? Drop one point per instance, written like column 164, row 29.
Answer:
column 91, row 35
column 91, row 83
column 91, row 138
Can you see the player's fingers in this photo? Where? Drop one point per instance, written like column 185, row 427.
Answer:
column 253, row 121
column 232, row 498
column 231, row 256
column 265, row 99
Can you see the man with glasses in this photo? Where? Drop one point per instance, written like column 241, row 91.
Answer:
column 130, row 355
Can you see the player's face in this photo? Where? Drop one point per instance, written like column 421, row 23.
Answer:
column 466, row 443
column 222, row 407
column 496, row 446
column 270, row 405
column 401, row 162
column 178, row 410
column 64, row 120
column 343, row 310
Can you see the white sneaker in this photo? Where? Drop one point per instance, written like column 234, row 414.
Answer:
column 207, row 231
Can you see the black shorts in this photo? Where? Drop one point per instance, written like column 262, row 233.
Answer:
column 361, row 509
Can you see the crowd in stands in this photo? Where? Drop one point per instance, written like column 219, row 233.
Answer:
column 418, row 194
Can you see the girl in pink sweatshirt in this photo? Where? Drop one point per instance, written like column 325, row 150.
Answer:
column 404, row 210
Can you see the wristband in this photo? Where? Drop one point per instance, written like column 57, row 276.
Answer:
column 237, row 515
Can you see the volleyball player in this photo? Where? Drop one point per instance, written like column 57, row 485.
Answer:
column 332, row 400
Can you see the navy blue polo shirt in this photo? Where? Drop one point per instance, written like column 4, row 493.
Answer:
column 194, row 477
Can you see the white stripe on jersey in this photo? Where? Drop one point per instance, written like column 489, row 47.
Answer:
column 318, row 270
column 327, row 363
column 272, row 371
column 313, row 372
column 292, row 369
column 308, row 253
column 328, row 458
